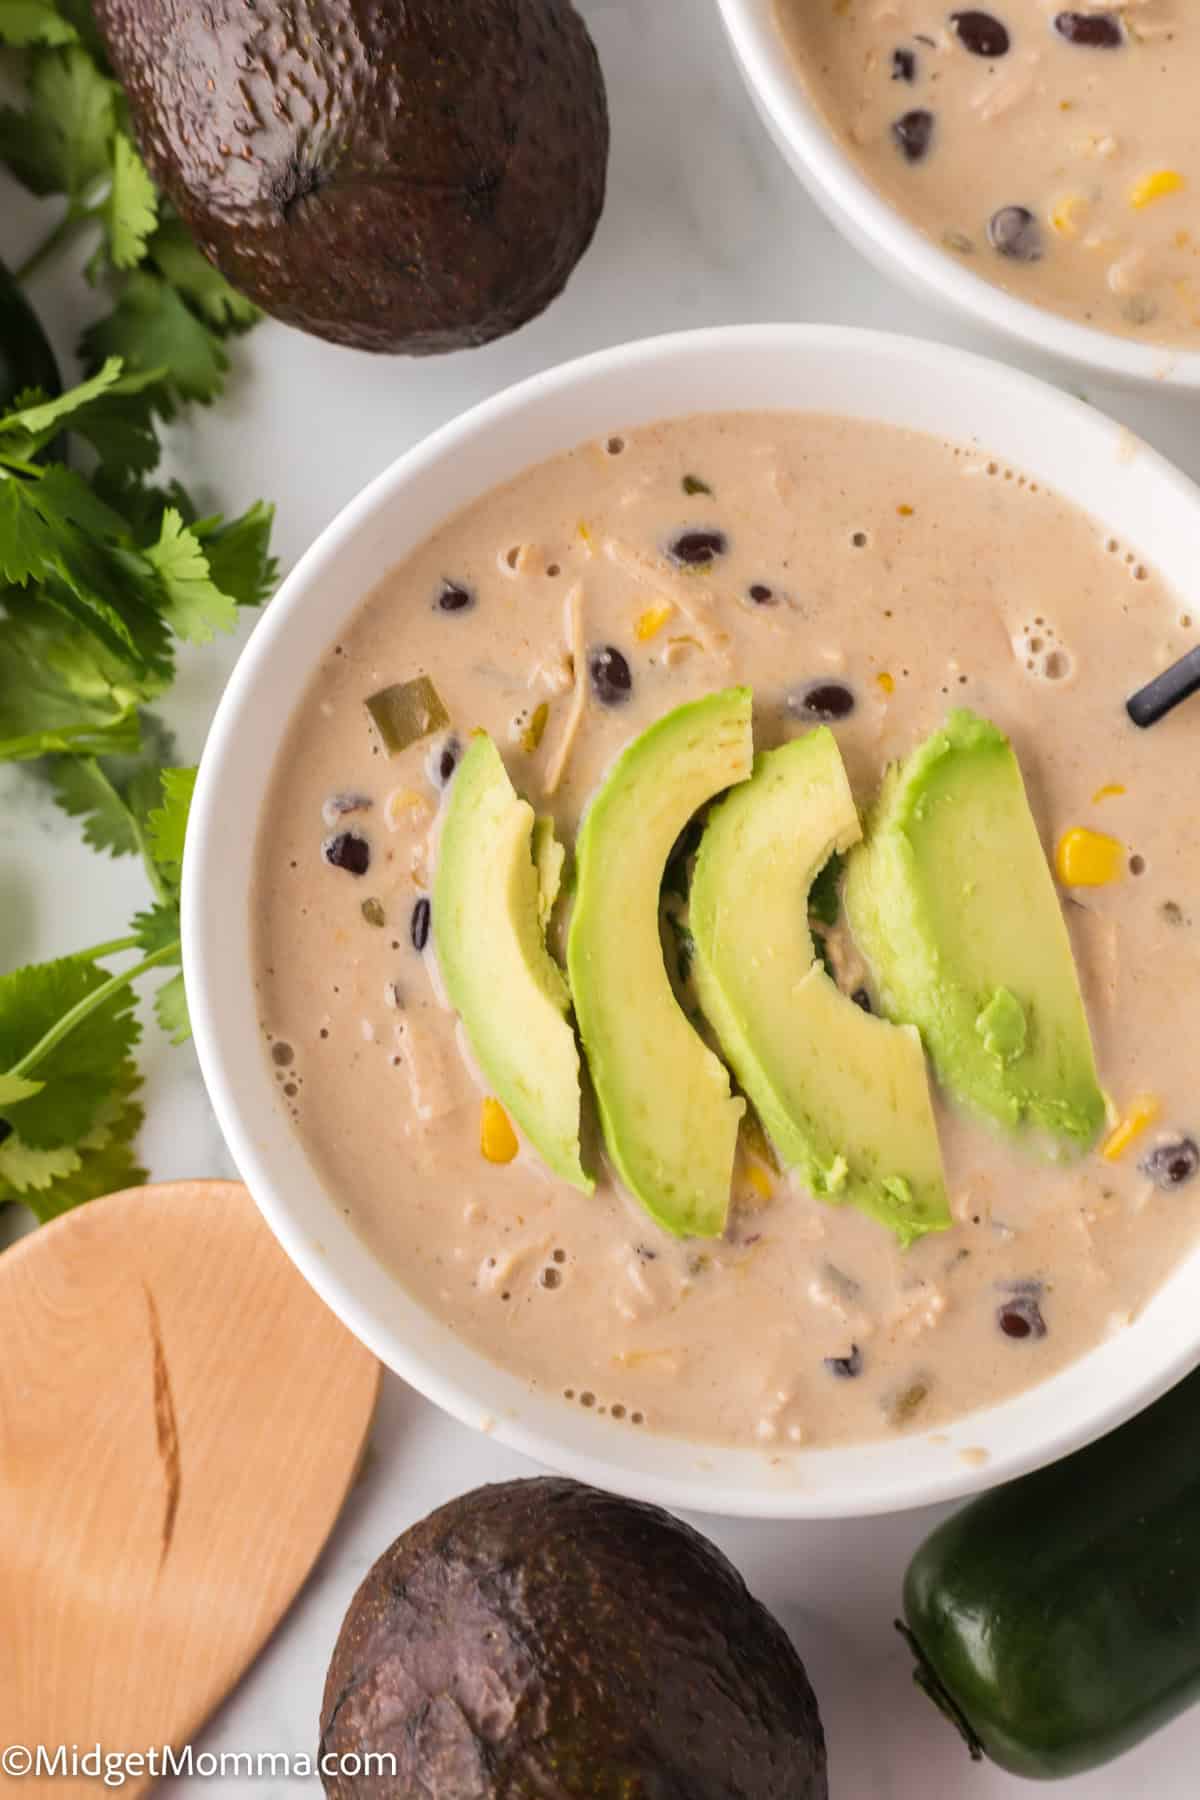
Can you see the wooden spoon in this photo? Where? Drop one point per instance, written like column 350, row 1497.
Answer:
column 180, row 1421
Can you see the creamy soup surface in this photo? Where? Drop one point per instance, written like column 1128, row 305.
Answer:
column 916, row 576
column 1054, row 150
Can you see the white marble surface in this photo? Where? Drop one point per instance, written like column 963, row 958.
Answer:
column 703, row 225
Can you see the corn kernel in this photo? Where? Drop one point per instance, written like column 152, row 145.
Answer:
column 1156, row 187
column 651, row 622
column 404, row 807
column 533, row 733
column 1142, row 1112
column 1110, row 791
column 1067, row 215
column 1088, row 858
column 584, row 534
column 759, row 1180
column 886, row 682
column 906, row 512
column 497, row 1139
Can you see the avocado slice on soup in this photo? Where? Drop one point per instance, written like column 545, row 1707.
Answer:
column 670, row 1121
column 490, row 904
column 952, row 902
column 843, row 1095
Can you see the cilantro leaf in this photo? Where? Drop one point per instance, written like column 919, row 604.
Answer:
column 36, row 417
column 157, row 927
column 114, row 795
column 16, row 1087
column 168, row 823
column 22, row 1169
column 171, row 1009
column 27, row 543
column 52, row 1182
column 149, row 328
column 58, row 144
column 77, row 1072
column 193, row 604
column 131, row 206
column 189, row 271
column 239, row 554
column 47, row 708
column 84, row 791
column 113, row 411
column 26, row 22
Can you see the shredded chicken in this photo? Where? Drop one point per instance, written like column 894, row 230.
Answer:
column 577, row 649
column 686, row 593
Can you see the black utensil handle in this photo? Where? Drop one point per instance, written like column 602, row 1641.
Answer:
column 1152, row 702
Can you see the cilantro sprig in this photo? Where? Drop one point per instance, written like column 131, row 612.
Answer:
column 105, row 575
column 69, row 136
column 68, row 1081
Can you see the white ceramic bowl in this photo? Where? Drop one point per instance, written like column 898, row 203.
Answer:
column 898, row 247
column 1065, row 445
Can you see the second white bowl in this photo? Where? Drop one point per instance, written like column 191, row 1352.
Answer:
column 898, row 247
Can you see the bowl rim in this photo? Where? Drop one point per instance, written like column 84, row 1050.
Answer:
column 206, row 900
column 848, row 199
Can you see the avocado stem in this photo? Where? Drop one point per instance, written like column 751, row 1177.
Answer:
column 930, row 1684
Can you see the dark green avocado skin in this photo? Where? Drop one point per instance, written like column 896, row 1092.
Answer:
column 540, row 1640
column 398, row 175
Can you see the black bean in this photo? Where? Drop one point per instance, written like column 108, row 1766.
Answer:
column 347, row 851
column 454, row 597
column 904, row 65
column 861, row 998
column 612, row 679
column 1095, row 31
column 981, row 33
column 1170, row 1165
column 1015, row 233
column 444, row 760
column 693, row 549
column 1021, row 1317
column 419, row 929
column 845, row 1366
column 761, row 594
column 913, row 131
column 821, row 700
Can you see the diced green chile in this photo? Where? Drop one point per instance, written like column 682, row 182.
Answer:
column 406, row 712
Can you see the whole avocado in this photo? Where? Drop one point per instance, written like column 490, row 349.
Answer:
column 543, row 1639
column 397, row 175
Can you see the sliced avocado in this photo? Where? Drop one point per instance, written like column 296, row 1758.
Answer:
column 549, row 856
column 542, row 1638
column 502, row 981
column 842, row 1095
column 952, row 902
column 669, row 1119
